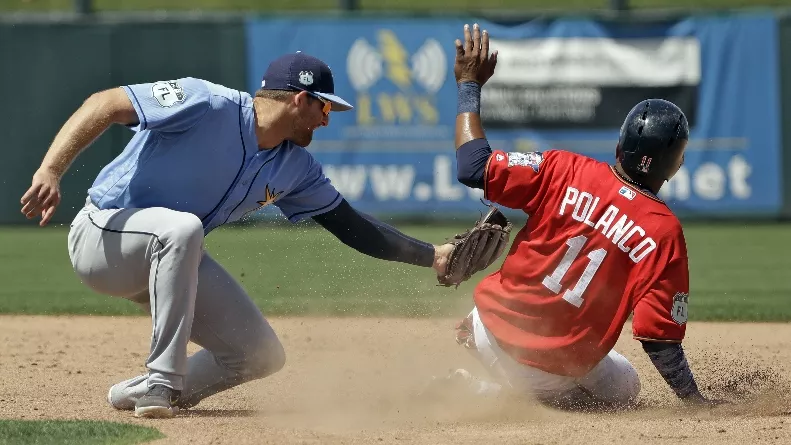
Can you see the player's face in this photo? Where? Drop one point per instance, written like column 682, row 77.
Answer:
column 679, row 161
column 313, row 113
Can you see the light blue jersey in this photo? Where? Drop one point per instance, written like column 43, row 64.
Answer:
column 195, row 151
column 192, row 165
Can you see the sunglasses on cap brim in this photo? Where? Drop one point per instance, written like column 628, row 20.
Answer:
column 326, row 105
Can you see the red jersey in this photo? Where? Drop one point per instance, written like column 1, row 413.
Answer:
column 595, row 249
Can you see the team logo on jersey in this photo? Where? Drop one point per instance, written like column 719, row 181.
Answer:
column 627, row 193
column 306, row 77
column 168, row 93
column 530, row 159
column 269, row 197
column 679, row 309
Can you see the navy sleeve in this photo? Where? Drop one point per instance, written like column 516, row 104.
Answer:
column 369, row 236
column 669, row 360
column 471, row 159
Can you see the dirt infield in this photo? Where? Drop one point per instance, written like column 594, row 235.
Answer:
column 351, row 380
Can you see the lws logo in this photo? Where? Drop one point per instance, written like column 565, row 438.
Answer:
column 375, row 68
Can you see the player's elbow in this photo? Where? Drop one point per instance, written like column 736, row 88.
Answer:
column 470, row 179
column 470, row 175
column 471, row 159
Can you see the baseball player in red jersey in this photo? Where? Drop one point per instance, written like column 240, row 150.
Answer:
column 598, row 246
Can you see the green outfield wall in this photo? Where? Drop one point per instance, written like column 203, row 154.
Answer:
column 48, row 69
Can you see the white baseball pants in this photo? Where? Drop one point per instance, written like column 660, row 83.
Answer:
column 155, row 257
column 613, row 381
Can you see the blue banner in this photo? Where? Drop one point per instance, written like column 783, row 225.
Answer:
column 563, row 83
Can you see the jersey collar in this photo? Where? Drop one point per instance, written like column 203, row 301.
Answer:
column 642, row 190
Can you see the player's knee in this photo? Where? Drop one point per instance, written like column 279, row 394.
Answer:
column 628, row 387
column 619, row 386
column 184, row 230
column 265, row 358
column 622, row 383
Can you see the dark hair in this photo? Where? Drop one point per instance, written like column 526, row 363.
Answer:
column 278, row 95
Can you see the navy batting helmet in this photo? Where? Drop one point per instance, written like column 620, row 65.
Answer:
column 651, row 135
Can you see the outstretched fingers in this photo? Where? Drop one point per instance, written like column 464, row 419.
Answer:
column 476, row 39
column 485, row 45
column 467, row 39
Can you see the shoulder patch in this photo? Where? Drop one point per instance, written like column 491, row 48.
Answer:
column 168, row 93
column 679, row 309
column 530, row 159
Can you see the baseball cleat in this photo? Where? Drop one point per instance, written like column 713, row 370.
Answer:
column 158, row 403
column 124, row 395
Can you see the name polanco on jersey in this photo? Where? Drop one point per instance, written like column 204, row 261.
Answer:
column 582, row 205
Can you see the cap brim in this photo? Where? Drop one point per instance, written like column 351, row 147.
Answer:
column 338, row 104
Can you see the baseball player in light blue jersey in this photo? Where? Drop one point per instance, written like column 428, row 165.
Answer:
column 203, row 155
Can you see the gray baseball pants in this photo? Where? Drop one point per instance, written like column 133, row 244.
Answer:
column 156, row 258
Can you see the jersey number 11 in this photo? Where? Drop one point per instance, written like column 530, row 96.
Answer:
column 574, row 295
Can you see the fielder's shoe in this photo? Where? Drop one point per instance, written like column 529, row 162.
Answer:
column 158, row 403
column 124, row 395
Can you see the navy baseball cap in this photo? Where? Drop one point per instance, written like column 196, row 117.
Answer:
column 301, row 72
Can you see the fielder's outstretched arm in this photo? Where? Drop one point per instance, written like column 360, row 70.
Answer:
column 372, row 237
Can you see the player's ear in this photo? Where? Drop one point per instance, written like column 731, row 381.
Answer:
column 301, row 99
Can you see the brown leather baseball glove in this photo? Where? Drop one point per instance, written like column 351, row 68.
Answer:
column 477, row 248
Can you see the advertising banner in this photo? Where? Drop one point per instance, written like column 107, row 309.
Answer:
column 564, row 84
column 587, row 82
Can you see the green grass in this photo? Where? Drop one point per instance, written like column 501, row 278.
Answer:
column 64, row 432
column 395, row 5
column 287, row 270
column 738, row 272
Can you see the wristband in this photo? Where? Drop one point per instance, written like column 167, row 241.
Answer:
column 469, row 100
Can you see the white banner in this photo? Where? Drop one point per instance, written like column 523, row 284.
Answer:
column 646, row 62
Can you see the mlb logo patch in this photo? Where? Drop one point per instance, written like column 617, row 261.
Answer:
column 627, row 193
